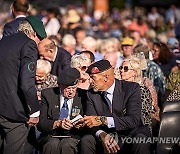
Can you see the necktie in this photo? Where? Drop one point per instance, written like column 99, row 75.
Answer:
column 107, row 100
column 64, row 110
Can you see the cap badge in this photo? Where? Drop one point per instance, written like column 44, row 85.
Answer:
column 95, row 70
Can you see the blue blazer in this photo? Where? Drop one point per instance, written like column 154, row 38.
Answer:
column 62, row 61
column 12, row 27
column 18, row 95
column 126, row 108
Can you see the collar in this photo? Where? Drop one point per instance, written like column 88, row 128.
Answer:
column 111, row 89
column 55, row 54
column 20, row 16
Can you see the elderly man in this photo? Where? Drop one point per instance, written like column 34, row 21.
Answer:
column 59, row 57
column 19, row 106
column 19, row 9
column 58, row 106
column 113, row 107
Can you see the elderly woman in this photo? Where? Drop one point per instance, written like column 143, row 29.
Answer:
column 81, row 63
column 43, row 77
column 131, row 70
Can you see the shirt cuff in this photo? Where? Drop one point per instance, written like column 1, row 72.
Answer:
column 98, row 133
column 35, row 114
column 110, row 122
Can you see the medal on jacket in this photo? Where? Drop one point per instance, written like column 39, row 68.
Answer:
column 75, row 111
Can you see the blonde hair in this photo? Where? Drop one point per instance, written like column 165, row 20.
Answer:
column 135, row 63
column 26, row 28
column 77, row 60
column 44, row 65
column 106, row 46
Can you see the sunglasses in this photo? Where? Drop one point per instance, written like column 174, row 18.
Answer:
column 125, row 68
column 83, row 68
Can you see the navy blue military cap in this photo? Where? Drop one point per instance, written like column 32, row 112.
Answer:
column 69, row 77
column 98, row 67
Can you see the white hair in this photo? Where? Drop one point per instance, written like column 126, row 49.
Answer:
column 44, row 65
column 26, row 28
column 77, row 60
column 68, row 39
column 89, row 41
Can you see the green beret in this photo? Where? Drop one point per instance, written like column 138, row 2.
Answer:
column 38, row 26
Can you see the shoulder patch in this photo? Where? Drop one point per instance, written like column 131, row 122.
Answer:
column 31, row 67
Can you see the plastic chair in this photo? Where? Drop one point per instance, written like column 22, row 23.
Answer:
column 169, row 127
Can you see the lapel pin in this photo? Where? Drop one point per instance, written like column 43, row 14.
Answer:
column 56, row 106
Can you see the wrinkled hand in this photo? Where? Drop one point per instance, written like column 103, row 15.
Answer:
column 57, row 124
column 33, row 121
column 109, row 143
column 66, row 124
column 91, row 121
column 78, row 124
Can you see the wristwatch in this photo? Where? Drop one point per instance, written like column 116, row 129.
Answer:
column 103, row 119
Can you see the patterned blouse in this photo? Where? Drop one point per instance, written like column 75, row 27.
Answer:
column 51, row 81
column 175, row 94
column 155, row 110
column 154, row 73
column 146, row 105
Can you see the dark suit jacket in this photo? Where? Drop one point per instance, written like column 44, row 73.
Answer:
column 62, row 61
column 50, row 111
column 12, row 27
column 18, row 96
column 126, row 108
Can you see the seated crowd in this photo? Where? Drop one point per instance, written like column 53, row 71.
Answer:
column 82, row 98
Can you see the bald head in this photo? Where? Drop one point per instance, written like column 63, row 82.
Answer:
column 47, row 49
column 102, row 81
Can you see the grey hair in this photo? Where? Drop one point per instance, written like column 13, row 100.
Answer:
column 26, row 28
column 44, row 65
column 76, row 60
column 68, row 39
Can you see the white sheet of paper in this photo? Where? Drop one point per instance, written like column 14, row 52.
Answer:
column 76, row 118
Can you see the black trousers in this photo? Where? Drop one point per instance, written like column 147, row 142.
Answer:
column 90, row 145
column 14, row 136
column 60, row 146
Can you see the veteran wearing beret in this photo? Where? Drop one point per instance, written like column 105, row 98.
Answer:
column 19, row 106
column 58, row 107
column 113, row 111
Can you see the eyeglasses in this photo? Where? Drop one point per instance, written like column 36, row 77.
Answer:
column 83, row 68
column 125, row 68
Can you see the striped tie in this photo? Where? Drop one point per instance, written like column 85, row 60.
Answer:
column 64, row 110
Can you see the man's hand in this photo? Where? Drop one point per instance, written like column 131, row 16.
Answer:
column 33, row 121
column 91, row 121
column 78, row 124
column 66, row 124
column 57, row 124
column 109, row 142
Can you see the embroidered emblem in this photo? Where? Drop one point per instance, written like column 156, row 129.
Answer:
column 95, row 70
column 31, row 67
